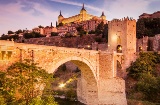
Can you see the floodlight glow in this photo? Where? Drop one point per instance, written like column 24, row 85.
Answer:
column 62, row 85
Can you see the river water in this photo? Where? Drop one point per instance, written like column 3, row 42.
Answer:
column 67, row 102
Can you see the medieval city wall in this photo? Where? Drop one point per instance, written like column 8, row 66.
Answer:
column 149, row 43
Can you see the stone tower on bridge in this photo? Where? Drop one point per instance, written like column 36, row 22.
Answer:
column 122, row 39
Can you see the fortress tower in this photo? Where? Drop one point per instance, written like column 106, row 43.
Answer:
column 122, row 35
column 103, row 16
column 122, row 39
column 83, row 13
column 60, row 18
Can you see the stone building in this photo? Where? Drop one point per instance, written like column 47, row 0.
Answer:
column 91, row 24
column 38, row 30
column 45, row 30
column 154, row 15
column 62, row 30
column 82, row 16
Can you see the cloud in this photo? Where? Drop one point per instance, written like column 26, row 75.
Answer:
column 123, row 8
column 78, row 4
column 14, row 17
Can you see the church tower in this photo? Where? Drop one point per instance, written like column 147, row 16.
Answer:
column 83, row 13
column 60, row 18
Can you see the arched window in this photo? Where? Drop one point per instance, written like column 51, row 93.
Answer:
column 119, row 49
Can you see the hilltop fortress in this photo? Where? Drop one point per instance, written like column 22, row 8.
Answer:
column 82, row 16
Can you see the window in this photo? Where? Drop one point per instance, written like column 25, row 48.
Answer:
column 119, row 49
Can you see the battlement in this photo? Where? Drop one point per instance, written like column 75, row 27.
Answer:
column 122, row 20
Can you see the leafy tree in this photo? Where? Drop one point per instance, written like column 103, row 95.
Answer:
column 144, row 71
column 21, row 82
column 5, row 37
column 10, row 32
column 105, row 32
column 100, row 28
column 144, row 64
column 68, row 35
column 32, row 35
column 19, row 31
column 81, row 30
column 54, row 34
column 98, row 39
column 60, row 24
column 91, row 32
column 40, row 26
column 149, row 85
column 148, row 27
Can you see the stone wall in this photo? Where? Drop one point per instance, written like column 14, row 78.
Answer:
column 72, row 42
column 149, row 43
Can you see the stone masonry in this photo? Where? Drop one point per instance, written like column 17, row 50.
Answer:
column 98, row 84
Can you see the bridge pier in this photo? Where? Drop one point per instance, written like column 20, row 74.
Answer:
column 112, row 92
column 87, row 93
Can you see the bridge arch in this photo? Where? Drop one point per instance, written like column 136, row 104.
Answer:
column 75, row 60
column 87, row 88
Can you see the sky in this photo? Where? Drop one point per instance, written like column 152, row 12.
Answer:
column 28, row 14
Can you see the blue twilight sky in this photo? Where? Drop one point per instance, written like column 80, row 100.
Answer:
column 22, row 14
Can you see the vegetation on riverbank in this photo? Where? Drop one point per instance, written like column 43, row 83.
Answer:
column 143, row 81
column 22, row 84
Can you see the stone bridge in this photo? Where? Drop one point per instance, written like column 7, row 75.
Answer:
column 98, row 84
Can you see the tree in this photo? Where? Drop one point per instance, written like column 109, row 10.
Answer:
column 54, row 34
column 144, row 64
column 149, row 86
column 10, row 32
column 19, row 31
column 81, row 30
column 91, row 32
column 105, row 32
column 32, row 35
column 40, row 26
column 5, row 37
column 99, row 28
column 143, row 70
column 60, row 24
column 22, row 81
column 148, row 27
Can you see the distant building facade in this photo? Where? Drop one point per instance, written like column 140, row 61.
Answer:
column 154, row 15
column 82, row 16
column 45, row 30
column 62, row 30
column 87, row 21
